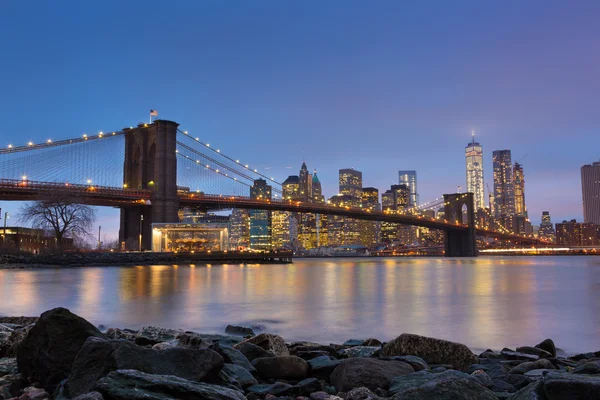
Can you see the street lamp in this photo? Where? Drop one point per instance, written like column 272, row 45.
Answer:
column 99, row 228
column 141, row 221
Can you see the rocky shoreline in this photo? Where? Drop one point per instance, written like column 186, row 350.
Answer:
column 62, row 356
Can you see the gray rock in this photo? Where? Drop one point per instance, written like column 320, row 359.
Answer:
column 8, row 366
column 239, row 330
column 166, row 345
column 90, row 396
column 592, row 367
column 447, row 385
column 252, row 351
column 240, row 374
column 193, row 340
column 417, row 363
column 535, row 351
column 499, row 385
column 136, row 385
column 98, row 357
column 124, row 334
column 276, row 389
column 528, row 366
column 9, row 347
column 433, row 351
column 533, row 391
column 33, row 393
column 492, row 355
column 536, row 374
column 517, row 380
column 328, row 349
column 360, row 393
column 403, row 383
column 322, row 367
column 360, row 351
column 307, row 386
column 438, row 369
column 283, row 367
column 151, row 335
column 19, row 321
column 493, row 370
column 353, row 342
column 371, row 373
column 516, row 355
column 483, row 378
column 320, row 396
column 547, row 345
column 559, row 386
column 269, row 342
column 233, row 356
column 309, row 355
column 48, row 351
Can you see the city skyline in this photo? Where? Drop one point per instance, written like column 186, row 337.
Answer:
column 523, row 89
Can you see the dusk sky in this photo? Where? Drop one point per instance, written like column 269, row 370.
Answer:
column 376, row 86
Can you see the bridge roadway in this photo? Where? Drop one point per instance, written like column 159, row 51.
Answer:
column 26, row 190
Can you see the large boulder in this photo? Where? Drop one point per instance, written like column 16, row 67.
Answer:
column 590, row 368
column 562, row 386
column 49, row 349
column 240, row 374
column 136, row 385
column 531, row 365
column 433, row 351
column 371, row 373
column 360, row 351
column 98, row 357
column 536, row 351
column 268, row 342
column 547, row 345
column 322, row 367
column 9, row 347
column 239, row 330
column 8, row 366
column 448, row 385
column 233, row 356
column 252, row 351
column 283, row 367
column 533, row 391
column 400, row 384
column 275, row 389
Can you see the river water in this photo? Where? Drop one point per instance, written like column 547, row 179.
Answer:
column 486, row 302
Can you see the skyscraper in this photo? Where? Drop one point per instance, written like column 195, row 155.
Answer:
column 409, row 178
column 239, row 232
column 317, row 195
column 519, row 187
column 260, row 220
column 590, row 187
column 369, row 230
column 305, row 183
column 546, row 229
column 504, row 194
column 351, row 183
column 474, row 160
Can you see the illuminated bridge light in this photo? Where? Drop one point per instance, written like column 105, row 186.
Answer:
column 10, row 146
column 207, row 144
column 114, row 133
column 30, row 144
column 218, row 151
column 49, row 141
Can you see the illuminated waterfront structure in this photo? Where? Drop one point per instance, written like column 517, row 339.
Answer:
column 209, row 235
column 590, row 187
column 504, row 194
column 409, row 178
column 239, row 231
column 519, row 188
column 546, row 229
column 474, row 164
column 574, row 234
column 369, row 230
column 350, row 182
column 260, row 220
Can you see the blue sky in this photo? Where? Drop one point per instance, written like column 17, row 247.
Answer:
column 377, row 86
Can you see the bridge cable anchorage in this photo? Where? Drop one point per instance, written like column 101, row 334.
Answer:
column 220, row 164
column 217, row 151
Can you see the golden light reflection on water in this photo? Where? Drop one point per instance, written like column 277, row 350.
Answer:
column 484, row 302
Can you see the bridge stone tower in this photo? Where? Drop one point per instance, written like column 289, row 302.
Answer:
column 151, row 164
column 459, row 207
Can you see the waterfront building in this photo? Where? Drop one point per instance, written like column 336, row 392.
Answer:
column 343, row 231
column 350, row 182
column 239, row 230
column 260, row 220
column 409, row 178
column 590, row 187
column 519, row 188
column 30, row 240
column 546, row 229
column 304, row 183
column 208, row 234
column 504, row 195
column 574, row 234
column 369, row 230
column 474, row 164
column 281, row 222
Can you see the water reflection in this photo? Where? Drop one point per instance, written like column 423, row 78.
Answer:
column 484, row 302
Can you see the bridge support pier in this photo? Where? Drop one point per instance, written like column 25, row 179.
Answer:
column 459, row 207
column 150, row 163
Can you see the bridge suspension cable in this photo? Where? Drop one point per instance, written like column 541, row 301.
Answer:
column 51, row 143
column 237, row 162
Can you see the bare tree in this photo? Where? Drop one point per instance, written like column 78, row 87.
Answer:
column 61, row 215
